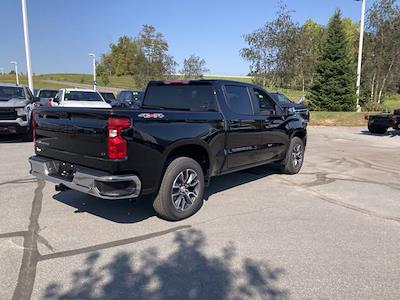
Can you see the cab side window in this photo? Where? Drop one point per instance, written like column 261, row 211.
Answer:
column 238, row 99
column 266, row 106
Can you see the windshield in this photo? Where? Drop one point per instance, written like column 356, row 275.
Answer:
column 47, row 94
column 11, row 92
column 108, row 96
column 281, row 98
column 192, row 97
column 82, row 96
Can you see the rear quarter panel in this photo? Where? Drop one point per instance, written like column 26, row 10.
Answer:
column 152, row 140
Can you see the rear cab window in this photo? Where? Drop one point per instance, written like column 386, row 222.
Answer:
column 82, row 96
column 189, row 96
column 47, row 94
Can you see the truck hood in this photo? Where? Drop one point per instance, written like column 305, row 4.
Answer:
column 14, row 103
column 297, row 106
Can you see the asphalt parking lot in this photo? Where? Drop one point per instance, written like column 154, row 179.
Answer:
column 331, row 232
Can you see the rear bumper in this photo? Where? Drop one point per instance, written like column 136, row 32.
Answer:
column 93, row 182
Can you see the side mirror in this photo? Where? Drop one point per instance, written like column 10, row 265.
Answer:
column 289, row 111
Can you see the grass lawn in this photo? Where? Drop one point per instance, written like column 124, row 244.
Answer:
column 328, row 118
column 392, row 101
column 37, row 82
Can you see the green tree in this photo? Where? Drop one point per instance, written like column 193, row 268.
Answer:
column 144, row 57
column 272, row 50
column 352, row 32
column 153, row 61
column 381, row 65
column 334, row 82
column 102, row 73
column 309, row 43
column 194, row 67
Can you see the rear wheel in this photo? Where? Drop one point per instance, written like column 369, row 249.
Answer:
column 377, row 129
column 181, row 191
column 294, row 157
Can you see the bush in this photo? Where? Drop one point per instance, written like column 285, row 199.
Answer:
column 373, row 106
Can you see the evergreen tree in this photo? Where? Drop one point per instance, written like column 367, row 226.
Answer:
column 334, row 82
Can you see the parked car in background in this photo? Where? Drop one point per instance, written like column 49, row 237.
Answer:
column 132, row 99
column 79, row 98
column 108, row 97
column 382, row 122
column 285, row 102
column 184, row 133
column 45, row 96
column 16, row 105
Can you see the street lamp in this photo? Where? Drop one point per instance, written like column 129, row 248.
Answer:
column 360, row 51
column 16, row 70
column 94, row 70
column 27, row 47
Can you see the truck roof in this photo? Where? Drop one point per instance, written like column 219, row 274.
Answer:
column 186, row 81
column 77, row 90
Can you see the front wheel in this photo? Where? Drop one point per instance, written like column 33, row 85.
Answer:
column 294, row 157
column 181, row 191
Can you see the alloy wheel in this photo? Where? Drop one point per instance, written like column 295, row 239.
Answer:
column 185, row 189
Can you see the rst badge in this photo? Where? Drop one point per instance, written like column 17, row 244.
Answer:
column 151, row 115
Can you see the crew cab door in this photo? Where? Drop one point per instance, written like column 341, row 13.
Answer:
column 275, row 137
column 250, row 138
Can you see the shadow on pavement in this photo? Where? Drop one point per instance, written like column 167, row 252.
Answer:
column 186, row 273
column 123, row 211
column 390, row 133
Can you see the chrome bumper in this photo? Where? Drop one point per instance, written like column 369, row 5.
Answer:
column 93, row 182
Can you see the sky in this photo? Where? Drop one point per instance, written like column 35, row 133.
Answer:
column 64, row 32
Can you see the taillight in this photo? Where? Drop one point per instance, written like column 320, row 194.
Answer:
column 117, row 145
column 394, row 119
column 50, row 101
column 33, row 127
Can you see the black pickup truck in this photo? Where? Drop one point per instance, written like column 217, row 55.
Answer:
column 184, row 133
column 382, row 122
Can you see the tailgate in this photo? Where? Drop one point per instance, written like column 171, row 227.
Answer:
column 73, row 135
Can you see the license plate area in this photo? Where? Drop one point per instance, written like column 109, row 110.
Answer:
column 66, row 171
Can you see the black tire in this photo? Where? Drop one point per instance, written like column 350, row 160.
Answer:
column 294, row 160
column 165, row 203
column 377, row 129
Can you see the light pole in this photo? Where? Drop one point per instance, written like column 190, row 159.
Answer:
column 360, row 51
column 27, row 47
column 16, row 70
column 94, row 69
